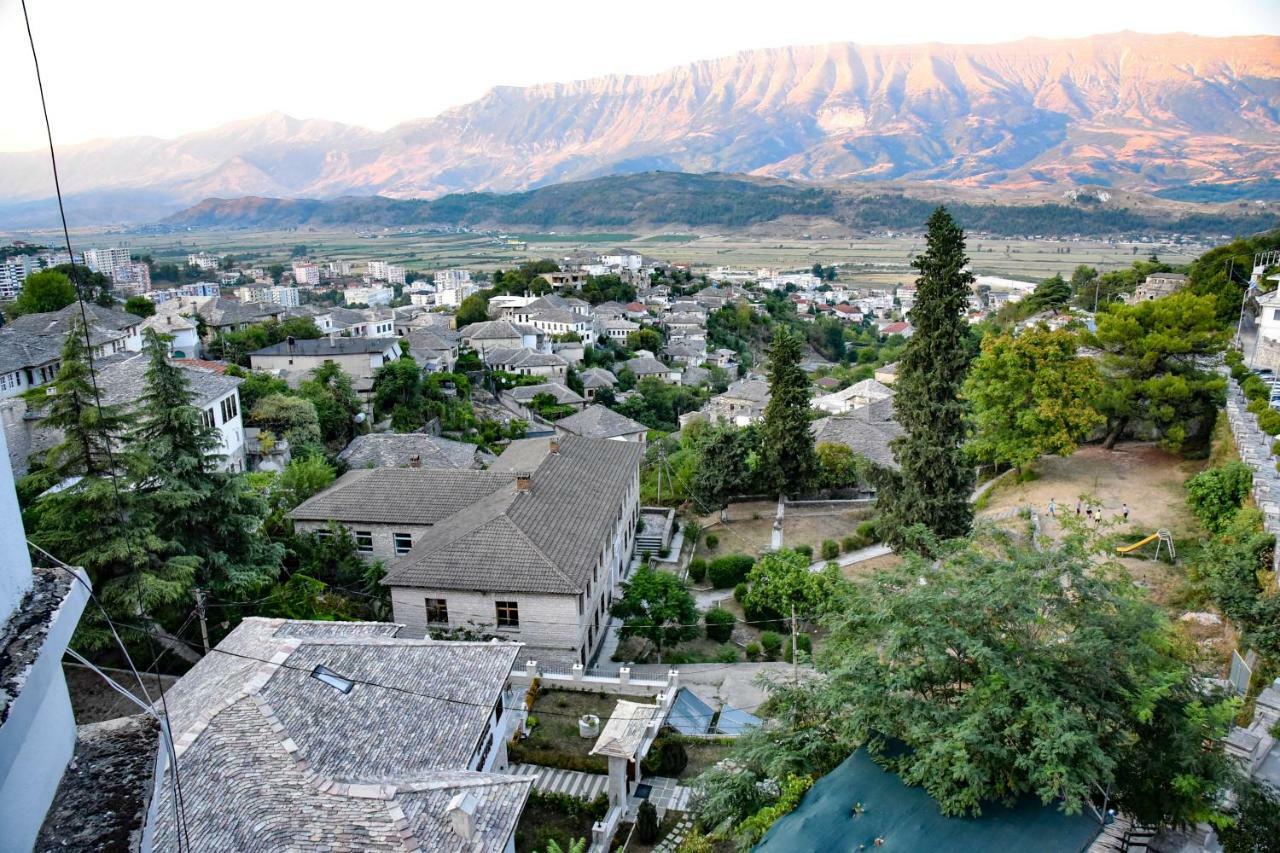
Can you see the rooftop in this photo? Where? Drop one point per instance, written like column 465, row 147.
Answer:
column 317, row 347
column 600, row 422
column 624, row 733
column 399, row 495
column 867, row 431
column 564, row 396
column 647, row 366
column 123, row 381
column 395, row 450
column 274, row 759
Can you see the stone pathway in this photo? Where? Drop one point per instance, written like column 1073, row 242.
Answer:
column 672, row 842
column 868, row 553
column 586, row 786
column 668, row 793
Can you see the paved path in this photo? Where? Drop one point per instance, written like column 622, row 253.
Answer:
column 575, row 783
column 862, row 554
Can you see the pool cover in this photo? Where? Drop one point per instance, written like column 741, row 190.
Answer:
column 857, row 803
column 689, row 715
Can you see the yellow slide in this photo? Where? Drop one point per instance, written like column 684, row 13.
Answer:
column 1136, row 545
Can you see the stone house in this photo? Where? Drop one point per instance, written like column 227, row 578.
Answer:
column 359, row 358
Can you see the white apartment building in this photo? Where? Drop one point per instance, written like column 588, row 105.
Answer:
column 286, row 297
column 110, row 262
column 337, row 268
column 452, row 296
column 203, row 261
column 383, row 271
column 306, row 274
column 452, row 278
column 368, row 295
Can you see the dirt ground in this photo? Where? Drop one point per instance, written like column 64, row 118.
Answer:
column 750, row 528
column 1151, row 482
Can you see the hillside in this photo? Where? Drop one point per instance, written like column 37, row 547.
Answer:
column 672, row 199
column 1193, row 116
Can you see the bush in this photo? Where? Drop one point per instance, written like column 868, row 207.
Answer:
column 713, row 541
column 753, row 650
column 807, row 550
column 667, row 757
column 698, row 570
column 1239, row 372
column 1257, row 407
column 728, row 654
column 719, row 624
column 521, row 752
column 1233, row 357
column 1269, row 422
column 1216, row 494
column 1254, row 388
column 830, row 549
column 724, row 572
column 849, row 543
column 867, row 530
column 771, row 642
column 803, row 642
column 1275, row 448
column 740, row 592
column 692, row 530
column 663, row 553
column 646, row 823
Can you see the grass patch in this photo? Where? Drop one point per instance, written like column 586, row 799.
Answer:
column 606, row 237
column 704, row 753
column 669, row 238
column 554, row 741
column 552, row 817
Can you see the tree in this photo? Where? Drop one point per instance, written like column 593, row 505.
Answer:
column 1052, row 293
column 1155, row 366
column 92, row 286
column 329, row 389
column 645, row 338
column 209, row 514
column 1083, row 281
column 656, row 606
column 934, row 480
column 787, row 460
column 291, row 418
column 1256, row 820
column 1031, row 395
column 723, row 468
column 839, row 467
column 298, row 251
column 1216, row 494
column 781, row 582
column 44, row 291
column 398, row 392
column 474, row 309
column 140, row 306
column 276, row 271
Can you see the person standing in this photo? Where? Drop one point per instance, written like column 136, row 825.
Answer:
column 1052, row 506
column 1078, row 503
column 1126, row 513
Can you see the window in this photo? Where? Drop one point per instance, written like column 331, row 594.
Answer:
column 207, row 417
column 229, row 408
column 437, row 611
column 403, row 542
column 497, row 709
column 364, row 541
column 508, row 614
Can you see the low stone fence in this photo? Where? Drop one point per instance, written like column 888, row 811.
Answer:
column 1254, row 448
column 622, row 682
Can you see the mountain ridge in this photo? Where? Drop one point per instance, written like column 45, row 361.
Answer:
column 1125, row 110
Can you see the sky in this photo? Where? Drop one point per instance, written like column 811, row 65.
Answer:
column 117, row 68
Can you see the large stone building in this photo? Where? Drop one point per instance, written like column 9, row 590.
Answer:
column 531, row 549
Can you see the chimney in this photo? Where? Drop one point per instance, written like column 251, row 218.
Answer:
column 462, row 816
column 524, row 482
column 554, row 444
column 415, row 461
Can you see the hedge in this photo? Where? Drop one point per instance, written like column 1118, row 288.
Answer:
column 729, row 570
column 719, row 624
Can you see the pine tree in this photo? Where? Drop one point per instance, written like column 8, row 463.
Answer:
column 205, row 513
column 788, row 461
column 933, row 483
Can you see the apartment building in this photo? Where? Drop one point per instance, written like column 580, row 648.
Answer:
column 306, row 274
column 111, row 262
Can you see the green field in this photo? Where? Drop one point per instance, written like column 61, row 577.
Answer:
column 884, row 260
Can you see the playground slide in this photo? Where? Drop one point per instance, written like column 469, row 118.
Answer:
column 1136, row 545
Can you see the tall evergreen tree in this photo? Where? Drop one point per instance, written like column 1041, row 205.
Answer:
column 934, row 481
column 788, row 461
column 207, row 513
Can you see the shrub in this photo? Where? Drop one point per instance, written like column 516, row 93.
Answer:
column 1239, row 372
column 807, row 550
column 646, row 823
column 663, row 553
column 713, row 541
column 522, row 753
column 803, row 642
column 1216, row 494
column 830, row 549
column 1257, row 407
column 849, row 543
column 698, row 570
column 753, row 828
column 1254, row 388
column 1275, row 448
column 867, row 530
column 740, row 592
column 771, row 642
column 719, row 624
column 667, row 757
column 692, row 530
column 1233, row 357
column 753, row 650
column 728, row 654
column 724, row 572
column 695, row 842
column 1269, row 422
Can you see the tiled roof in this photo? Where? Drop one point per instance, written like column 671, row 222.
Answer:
column 547, row 539
column 490, row 330
column 381, row 450
column 866, row 431
column 123, row 382
column 330, row 346
column 564, row 396
column 597, row 377
column 19, row 351
column 523, row 357
column 600, row 422
column 753, row 390
column 695, row 376
column 415, row 496
column 272, row 759
column 647, row 366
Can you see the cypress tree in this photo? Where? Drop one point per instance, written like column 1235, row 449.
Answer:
column 934, row 481
column 788, row 460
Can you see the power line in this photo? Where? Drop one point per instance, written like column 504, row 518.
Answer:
column 97, row 395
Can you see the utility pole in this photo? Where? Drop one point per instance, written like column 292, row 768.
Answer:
column 204, row 625
column 795, row 660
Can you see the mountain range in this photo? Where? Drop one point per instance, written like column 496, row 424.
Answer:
column 1175, row 114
